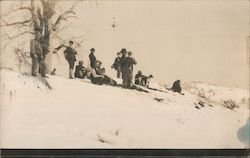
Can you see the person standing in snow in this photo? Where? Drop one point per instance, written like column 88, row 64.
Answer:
column 123, row 67
column 45, row 50
column 129, row 63
column 92, row 58
column 36, row 54
column 70, row 55
column 176, row 86
column 80, row 71
column 117, row 64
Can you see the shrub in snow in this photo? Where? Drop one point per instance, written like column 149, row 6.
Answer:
column 230, row 104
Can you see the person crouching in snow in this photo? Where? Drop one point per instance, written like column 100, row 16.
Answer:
column 145, row 80
column 138, row 78
column 80, row 71
column 53, row 72
column 176, row 87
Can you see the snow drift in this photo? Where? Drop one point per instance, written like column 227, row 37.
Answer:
column 78, row 114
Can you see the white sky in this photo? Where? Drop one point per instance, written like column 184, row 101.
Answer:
column 187, row 40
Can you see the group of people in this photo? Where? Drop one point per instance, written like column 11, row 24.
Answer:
column 142, row 80
column 123, row 64
column 96, row 73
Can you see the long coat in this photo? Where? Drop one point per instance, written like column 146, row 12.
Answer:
column 92, row 60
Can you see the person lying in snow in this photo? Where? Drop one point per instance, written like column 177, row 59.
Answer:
column 97, row 76
column 80, row 71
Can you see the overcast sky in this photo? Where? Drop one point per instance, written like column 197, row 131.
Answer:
column 187, row 40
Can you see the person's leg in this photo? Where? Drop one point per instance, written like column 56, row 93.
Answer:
column 97, row 80
column 130, row 77
column 34, row 66
column 126, row 80
column 71, row 67
column 42, row 67
column 118, row 72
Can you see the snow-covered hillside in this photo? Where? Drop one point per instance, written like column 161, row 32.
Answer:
column 78, row 114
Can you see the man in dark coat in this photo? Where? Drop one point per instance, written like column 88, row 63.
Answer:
column 80, row 71
column 117, row 64
column 70, row 55
column 123, row 67
column 176, row 86
column 45, row 51
column 129, row 63
column 92, row 57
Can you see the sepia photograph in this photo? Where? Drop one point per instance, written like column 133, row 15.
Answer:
column 127, row 74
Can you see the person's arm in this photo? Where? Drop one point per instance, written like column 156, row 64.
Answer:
column 32, row 47
column 94, row 74
column 134, row 62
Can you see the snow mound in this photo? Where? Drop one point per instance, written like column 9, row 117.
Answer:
column 78, row 114
column 237, row 96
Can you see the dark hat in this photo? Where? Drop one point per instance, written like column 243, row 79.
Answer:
column 92, row 49
column 71, row 42
column 130, row 53
column 119, row 53
column 123, row 50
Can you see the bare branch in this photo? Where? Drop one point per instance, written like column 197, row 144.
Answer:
column 15, row 23
column 10, row 38
column 70, row 13
column 13, row 10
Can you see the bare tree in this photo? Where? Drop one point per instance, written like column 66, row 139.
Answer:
column 40, row 17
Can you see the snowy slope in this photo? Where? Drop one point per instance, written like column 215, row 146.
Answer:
column 78, row 114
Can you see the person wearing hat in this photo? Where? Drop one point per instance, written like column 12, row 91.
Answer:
column 70, row 55
column 36, row 53
column 129, row 67
column 117, row 64
column 123, row 67
column 92, row 58
column 80, row 71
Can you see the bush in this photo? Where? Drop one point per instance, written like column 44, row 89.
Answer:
column 230, row 104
